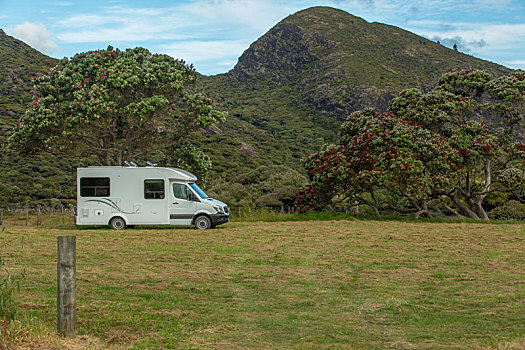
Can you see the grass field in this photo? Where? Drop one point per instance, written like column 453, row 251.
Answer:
column 307, row 285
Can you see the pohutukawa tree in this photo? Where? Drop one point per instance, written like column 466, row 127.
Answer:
column 428, row 155
column 115, row 105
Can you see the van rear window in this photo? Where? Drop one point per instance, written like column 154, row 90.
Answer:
column 94, row 186
column 154, row 189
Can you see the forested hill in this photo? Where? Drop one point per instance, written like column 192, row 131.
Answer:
column 338, row 61
column 292, row 88
column 18, row 63
column 36, row 179
column 287, row 95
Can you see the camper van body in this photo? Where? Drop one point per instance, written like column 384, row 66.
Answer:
column 126, row 196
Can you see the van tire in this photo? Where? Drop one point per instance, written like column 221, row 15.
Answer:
column 117, row 223
column 202, row 222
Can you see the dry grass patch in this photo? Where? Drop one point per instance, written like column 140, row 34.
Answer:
column 348, row 284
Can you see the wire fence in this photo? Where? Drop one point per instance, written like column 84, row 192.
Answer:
column 37, row 217
column 53, row 217
column 19, row 255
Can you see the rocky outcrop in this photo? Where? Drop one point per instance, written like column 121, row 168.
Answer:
column 280, row 54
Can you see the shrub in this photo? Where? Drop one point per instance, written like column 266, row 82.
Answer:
column 9, row 285
column 268, row 200
column 512, row 210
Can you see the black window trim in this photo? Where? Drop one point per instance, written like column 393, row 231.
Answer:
column 155, row 192
column 83, row 187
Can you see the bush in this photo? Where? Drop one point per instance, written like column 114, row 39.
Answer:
column 512, row 210
column 268, row 200
column 9, row 285
column 8, row 307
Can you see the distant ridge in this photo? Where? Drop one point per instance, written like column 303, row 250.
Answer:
column 340, row 62
column 292, row 88
column 19, row 62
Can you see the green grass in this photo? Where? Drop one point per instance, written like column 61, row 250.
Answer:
column 307, row 285
column 267, row 215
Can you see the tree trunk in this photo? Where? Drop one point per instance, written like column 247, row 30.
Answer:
column 480, row 211
column 423, row 210
column 479, row 198
column 462, row 207
column 452, row 210
column 375, row 206
column 103, row 159
column 119, row 159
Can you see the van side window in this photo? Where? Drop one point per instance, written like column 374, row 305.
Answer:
column 94, row 186
column 154, row 189
column 181, row 191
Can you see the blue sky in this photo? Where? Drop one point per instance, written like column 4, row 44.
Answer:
column 212, row 34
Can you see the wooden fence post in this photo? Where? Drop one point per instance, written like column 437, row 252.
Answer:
column 66, row 286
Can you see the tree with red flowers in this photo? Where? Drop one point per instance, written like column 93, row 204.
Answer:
column 428, row 155
column 380, row 152
column 114, row 105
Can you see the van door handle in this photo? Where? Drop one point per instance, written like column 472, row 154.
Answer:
column 175, row 203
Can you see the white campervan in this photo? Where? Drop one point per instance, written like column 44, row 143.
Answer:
column 126, row 196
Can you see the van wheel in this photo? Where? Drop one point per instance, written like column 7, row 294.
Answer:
column 202, row 222
column 117, row 223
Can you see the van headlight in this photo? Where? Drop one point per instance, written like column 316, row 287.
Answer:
column 219, row 209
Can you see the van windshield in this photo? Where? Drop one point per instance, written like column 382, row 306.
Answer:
column 199, row 191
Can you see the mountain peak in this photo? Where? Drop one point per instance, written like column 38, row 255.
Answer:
column 325, row 38
column 340, row 63
column 325, row 14
column 2, row 33
column 293, row 44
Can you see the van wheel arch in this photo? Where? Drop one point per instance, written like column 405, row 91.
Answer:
column 117, row 223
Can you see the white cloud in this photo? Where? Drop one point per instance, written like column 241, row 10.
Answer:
column 35, row 35
column 194, row 31
column 202, row 50
column 516, row 64
column 200, row 19
column 254, row 15
column 84, row 20
column 495, row 35
column 206, row 55
column 63, row 3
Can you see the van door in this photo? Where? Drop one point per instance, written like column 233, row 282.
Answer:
column 183, row 204
column 151, row 210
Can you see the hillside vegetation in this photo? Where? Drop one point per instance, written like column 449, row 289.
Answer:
column 286, row 97
column 292, row 88
column 27, row 180
column 19, row 63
